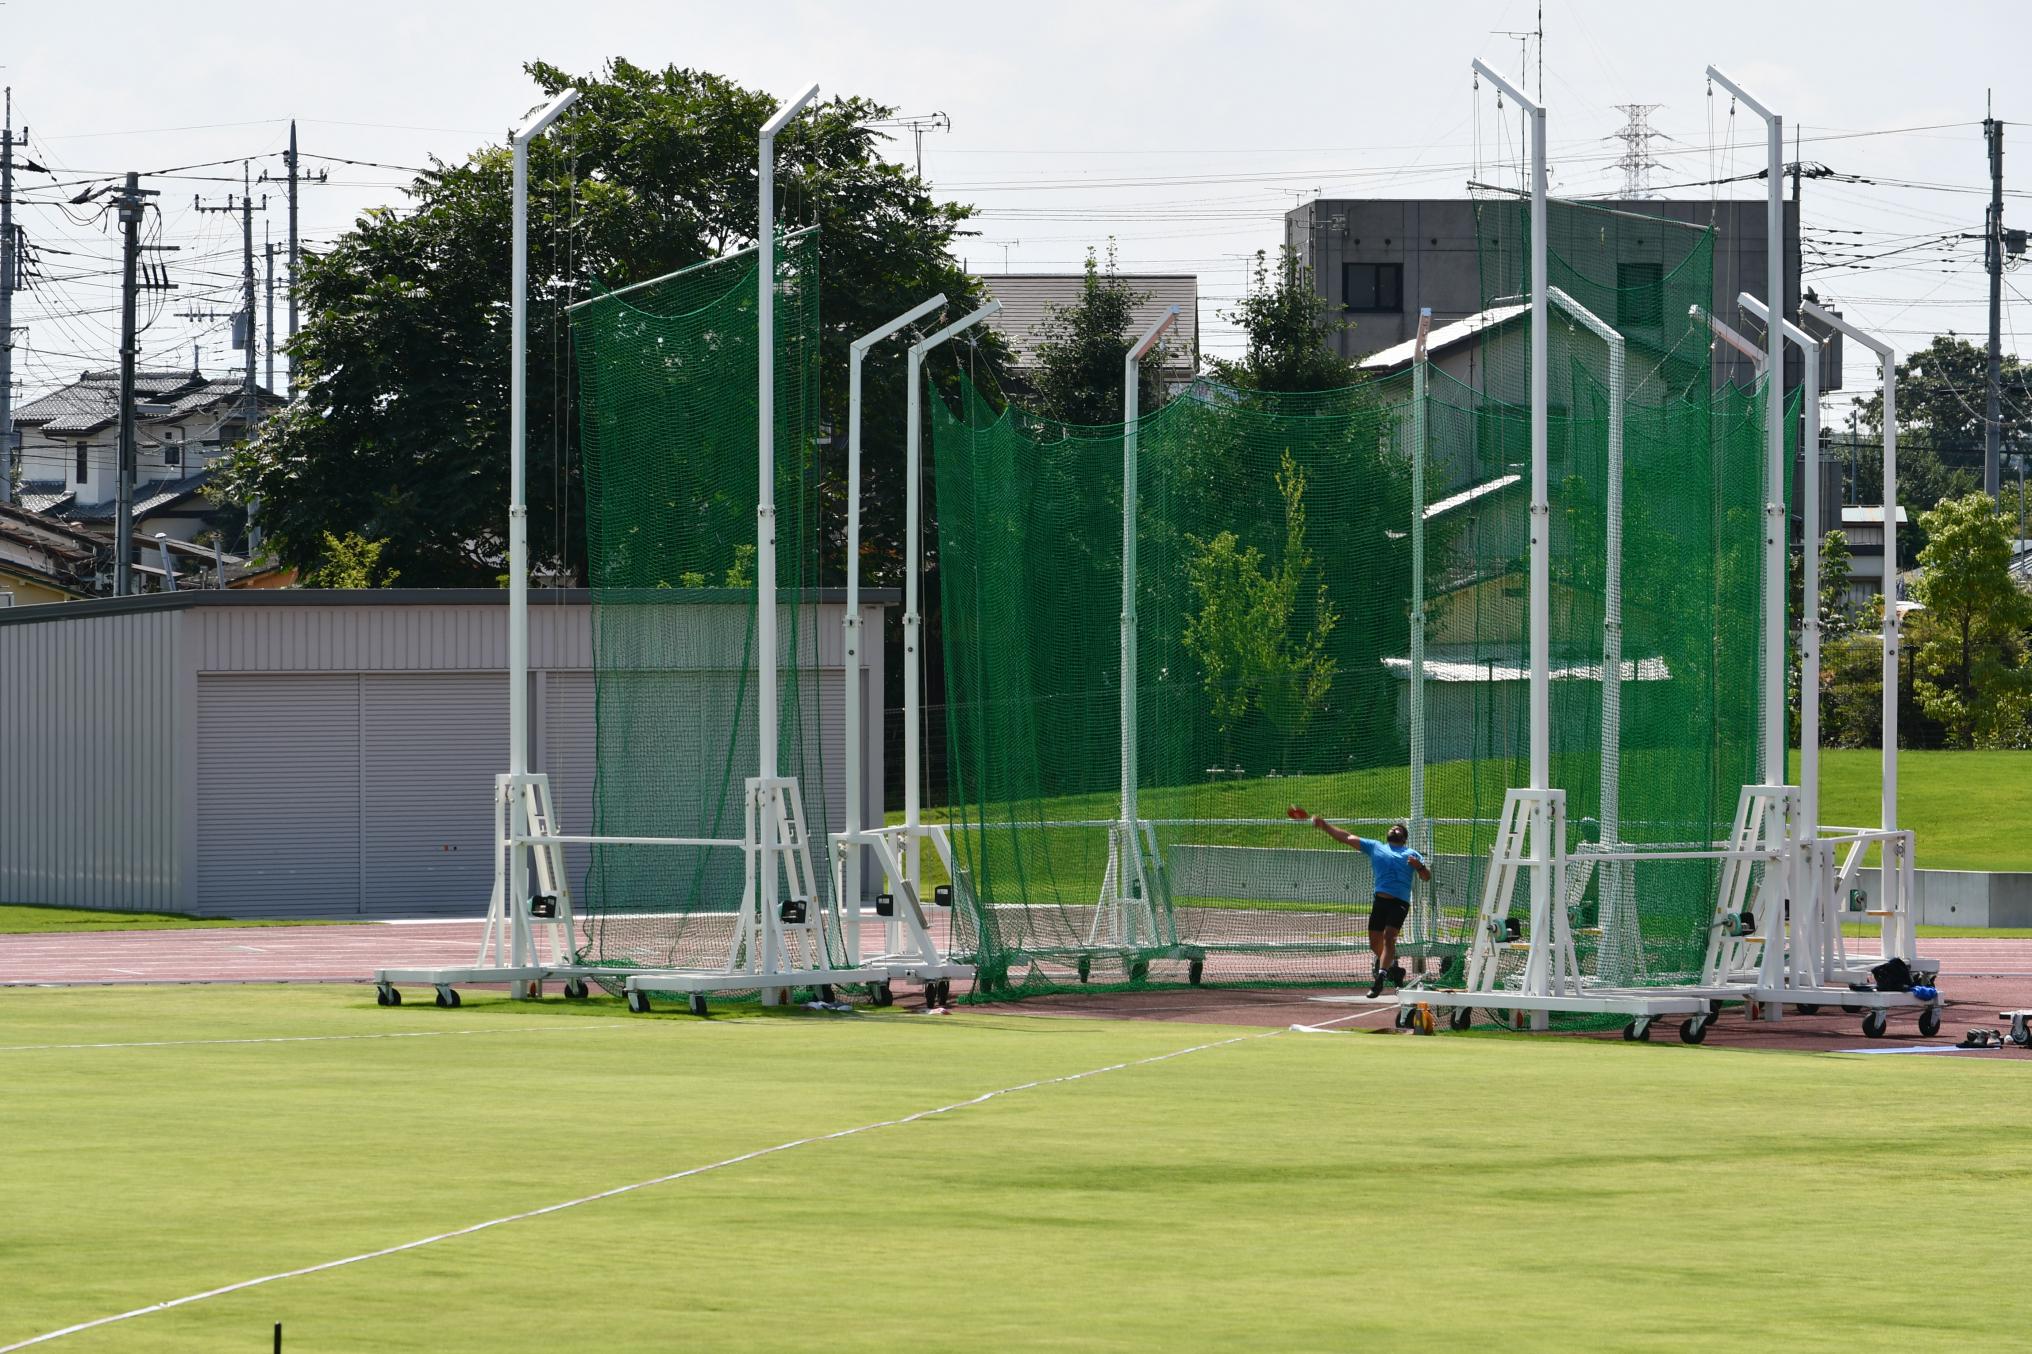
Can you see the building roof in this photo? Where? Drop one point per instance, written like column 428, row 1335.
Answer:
column 150, row 497
column 1440, row 339
column 1028, row 300
column 1871, row 516
column 50, row 552
column 1514, row 668
column 92, row 402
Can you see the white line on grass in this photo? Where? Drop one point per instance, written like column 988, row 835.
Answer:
column 307, row 1038
column 619, row 1190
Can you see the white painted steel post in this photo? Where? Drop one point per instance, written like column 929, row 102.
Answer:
column 913, row 617
column 1758, row 357
column 1774, row 421
column 1810, row 952
column 1544, row 849
column 856, row 763
column 521, row 949
column 1132, row 409
column 765, row 421
column 1887, row 358
column 1809, row 547
column 1421, row 440
column 1614, row 933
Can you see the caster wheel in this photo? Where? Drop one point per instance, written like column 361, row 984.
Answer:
column 387, row 996
column 575, row 988
column 1139, row 970
column 882, row 994
column 1195, row 971
column 1462, row 1017
column 1714, row 1008
column 2021, row 1032
column 1875, row 1024
column 638, row 1002
column 937, row 992
column 1809, row 1009
column 1086, row 969
column 1852, row 1010
column 828, row 993
column 1638, row 1031
column 695, row 1003
column 448, row 996
column 1402, row 1020
column 1929, row 1022
column 1693, row 1030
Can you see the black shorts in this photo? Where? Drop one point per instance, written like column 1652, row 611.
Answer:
column 1387, row 913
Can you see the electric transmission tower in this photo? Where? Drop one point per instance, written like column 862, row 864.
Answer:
column 1636, row 162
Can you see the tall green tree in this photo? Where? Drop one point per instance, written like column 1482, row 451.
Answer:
column 1288, row 332
column 1972, row 674
column 1079, row 358
column 400, row 434
column 1940, row 428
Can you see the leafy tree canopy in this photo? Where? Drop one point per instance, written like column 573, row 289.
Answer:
column 1079, row 361
column 401, row 432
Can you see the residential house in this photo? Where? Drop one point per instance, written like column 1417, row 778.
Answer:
column 1864, row 527
column 46, row 561
column 1029, row 300
column 183, row 423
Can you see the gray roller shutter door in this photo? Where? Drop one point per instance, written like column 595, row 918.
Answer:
column 278, row 811
column 433, row 743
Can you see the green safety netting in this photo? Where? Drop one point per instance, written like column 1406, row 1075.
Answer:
column 1282, row 546
column 668, row 412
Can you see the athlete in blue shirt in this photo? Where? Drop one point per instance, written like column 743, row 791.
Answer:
column 1392, row 864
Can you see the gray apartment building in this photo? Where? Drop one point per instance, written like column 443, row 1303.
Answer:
column 1381, row 259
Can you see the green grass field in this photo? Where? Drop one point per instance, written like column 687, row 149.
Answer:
column 1291, row 1192
column 16, row 920
column 1971, row 810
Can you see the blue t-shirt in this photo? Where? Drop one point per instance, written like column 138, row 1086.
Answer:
column 1391, row 865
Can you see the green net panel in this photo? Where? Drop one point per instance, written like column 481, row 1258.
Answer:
column 668, row 411
column 1284, row 544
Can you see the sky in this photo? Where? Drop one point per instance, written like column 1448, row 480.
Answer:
column 1181, row 130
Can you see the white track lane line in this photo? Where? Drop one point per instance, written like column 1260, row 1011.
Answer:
column 1327, row 1025
column 619, row 1190
column 311, row 1038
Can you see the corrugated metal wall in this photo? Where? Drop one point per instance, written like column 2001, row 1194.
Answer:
column 91, row 813
column 283, row 757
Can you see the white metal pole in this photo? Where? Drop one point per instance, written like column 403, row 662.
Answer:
column 765, row 417
column 1774, row 422
column 518, row 431
column 1759, row 359
column 1619, row 947
column 1132, row 406
column 1809, row 546
column 1421, row 441
column 511, row 891
column 1887, row 358
column 856, row 762
column 1537, row 975
column 913, row 617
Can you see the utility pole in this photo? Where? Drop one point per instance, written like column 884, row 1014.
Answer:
column 130, row 207
column 1993, row 258
column 293, row 177
column 293, row 173
column 245, row 334
column 268, row 317
column 9, row 266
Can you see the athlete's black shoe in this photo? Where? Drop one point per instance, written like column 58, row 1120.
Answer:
column 1376, row 987
column 1397, row 975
